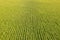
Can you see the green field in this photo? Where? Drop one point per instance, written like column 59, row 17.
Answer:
column 29, row 20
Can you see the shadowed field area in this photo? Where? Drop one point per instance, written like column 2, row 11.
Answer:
column 30, row 21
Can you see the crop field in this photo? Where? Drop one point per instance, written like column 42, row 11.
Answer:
column 29, row 20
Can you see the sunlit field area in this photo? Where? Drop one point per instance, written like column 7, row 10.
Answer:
column 29, row 20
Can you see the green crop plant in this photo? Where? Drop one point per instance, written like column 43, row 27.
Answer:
column 29, row 20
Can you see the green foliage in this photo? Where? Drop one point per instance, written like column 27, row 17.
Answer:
column 31, row 21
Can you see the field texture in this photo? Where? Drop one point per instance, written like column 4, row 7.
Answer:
column 29, row 20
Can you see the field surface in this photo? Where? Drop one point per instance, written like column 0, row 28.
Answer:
column 29, row 20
